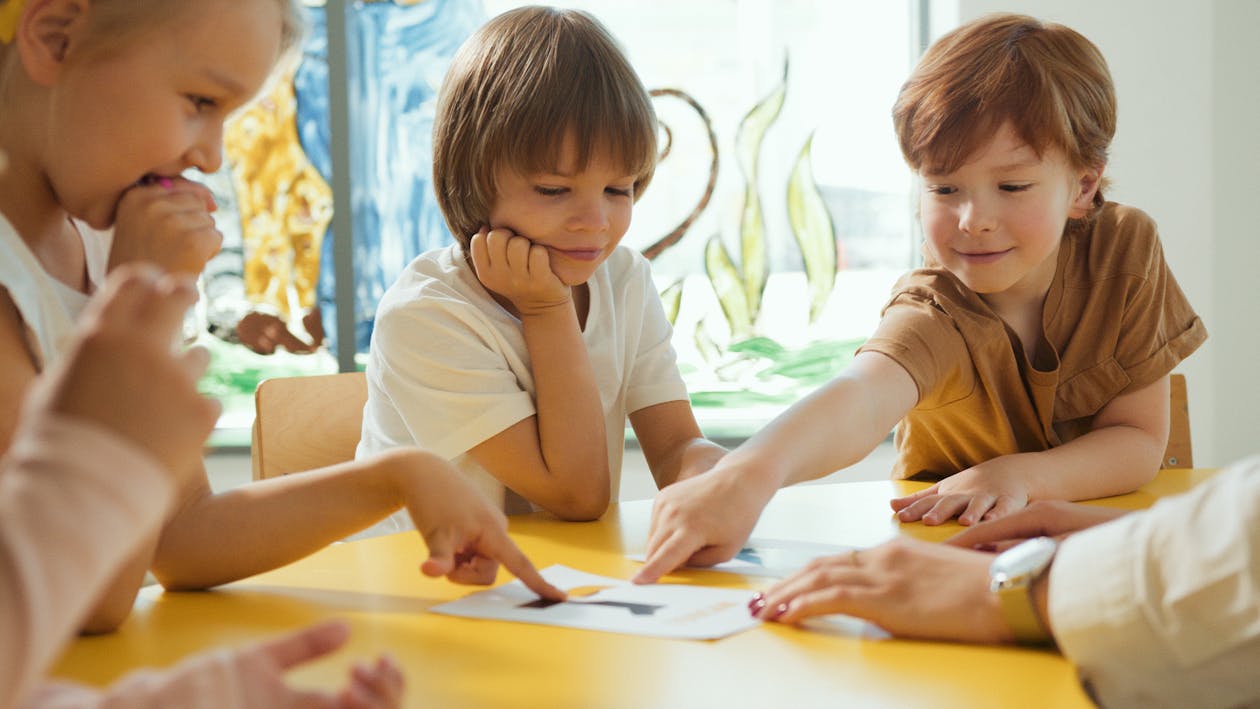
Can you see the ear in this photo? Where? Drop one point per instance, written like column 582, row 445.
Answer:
column 45, row 34
column 1087, row 182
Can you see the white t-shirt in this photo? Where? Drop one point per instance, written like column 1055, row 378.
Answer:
column 1162, row 608
column 448, row 368
column 48, row 307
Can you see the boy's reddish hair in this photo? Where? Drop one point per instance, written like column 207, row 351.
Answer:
column 1049, row 82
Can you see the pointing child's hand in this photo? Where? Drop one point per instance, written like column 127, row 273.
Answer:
column 519, row 270
column 466, row 536
column 167, row 222
column 987, row 491
column 700, row 521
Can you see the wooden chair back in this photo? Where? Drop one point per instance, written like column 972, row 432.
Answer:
column 1179, row 453
column 301, row 423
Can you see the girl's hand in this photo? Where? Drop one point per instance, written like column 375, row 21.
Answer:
column 909, row 588
column 987, row 491
column 121, row 372
column 167, row 223
column 1043, row 518
column 701, row 521
column 466, row 535
column 519, row 270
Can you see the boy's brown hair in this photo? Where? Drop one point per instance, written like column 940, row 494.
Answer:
column 1049, row 82
column 516, row 89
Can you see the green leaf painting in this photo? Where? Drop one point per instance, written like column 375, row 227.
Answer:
column 671, row 298
column 815, row 234
column 729, row 287
column 752, row 228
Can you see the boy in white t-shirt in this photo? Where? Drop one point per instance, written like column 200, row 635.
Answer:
column 518, row 352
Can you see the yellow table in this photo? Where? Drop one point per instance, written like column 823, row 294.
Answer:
column 454, row 662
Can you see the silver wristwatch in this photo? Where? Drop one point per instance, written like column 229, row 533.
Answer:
column 1011, row 576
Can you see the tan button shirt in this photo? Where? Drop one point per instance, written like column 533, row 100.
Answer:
column 1114, row 321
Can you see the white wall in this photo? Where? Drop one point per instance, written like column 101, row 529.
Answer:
column 1187, row 151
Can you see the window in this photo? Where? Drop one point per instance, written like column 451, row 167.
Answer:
column 797, row 95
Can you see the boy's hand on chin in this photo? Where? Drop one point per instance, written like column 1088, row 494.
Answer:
column 519, row 270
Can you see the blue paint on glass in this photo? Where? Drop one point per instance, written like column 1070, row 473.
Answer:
column 397, row 58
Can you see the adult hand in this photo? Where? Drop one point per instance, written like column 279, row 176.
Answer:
column 519, row 270
column 700, row 521
column 910, row 588
column 1044, row 518
column 262, row 668
column 987, row 491
column 167, row 222
column 466, row 536
column 121, row 372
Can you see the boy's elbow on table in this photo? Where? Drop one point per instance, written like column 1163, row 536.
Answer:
column 579, row 507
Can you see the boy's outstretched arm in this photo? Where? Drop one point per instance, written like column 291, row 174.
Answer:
column 704, row 520
column 1121, row 453
column 557, row 458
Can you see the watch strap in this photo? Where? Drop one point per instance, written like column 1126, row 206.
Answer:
column 1017, row 608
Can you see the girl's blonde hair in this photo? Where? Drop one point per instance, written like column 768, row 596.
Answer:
column 1050, row 83
column 115, row 22
column 516, row 89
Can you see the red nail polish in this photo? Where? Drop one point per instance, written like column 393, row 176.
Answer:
column 779, row 610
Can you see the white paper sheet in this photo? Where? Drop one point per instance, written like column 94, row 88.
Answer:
column 776, row 558
column 615, row 606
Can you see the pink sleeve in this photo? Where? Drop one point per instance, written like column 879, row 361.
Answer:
column 213, row 680
column 74, row 503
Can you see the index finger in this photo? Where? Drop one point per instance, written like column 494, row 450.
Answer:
column 515, row 561
column 668, row 556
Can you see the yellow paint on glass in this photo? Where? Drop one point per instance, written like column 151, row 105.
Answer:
column 9, row 13
column 285, row 205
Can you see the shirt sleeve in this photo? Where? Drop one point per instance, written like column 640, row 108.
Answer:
column 1162, row 608
column 446, row 375
column 655, row 377
column 1159, row 328
column 212, row 680
column 920, row 336
column 75, row 501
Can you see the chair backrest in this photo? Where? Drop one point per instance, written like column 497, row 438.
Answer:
column 301, row 423
column 1179, row 453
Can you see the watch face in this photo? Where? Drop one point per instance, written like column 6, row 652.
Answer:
column 1023, row 561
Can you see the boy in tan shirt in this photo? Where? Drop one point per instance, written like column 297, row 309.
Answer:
column 1029, row 359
